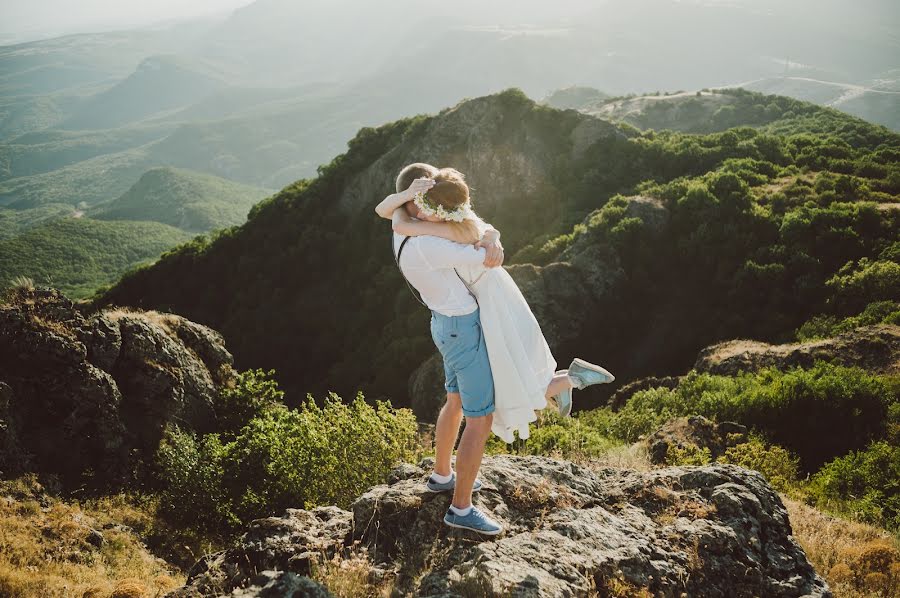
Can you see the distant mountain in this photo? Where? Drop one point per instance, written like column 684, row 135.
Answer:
column 879, row 103
column 705, row 111
column 712, row 237
column 159, row 83
column 80, row 254
column 212, row 99
column 191, row 201
column 44, row 151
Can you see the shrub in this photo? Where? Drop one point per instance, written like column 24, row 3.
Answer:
column 575, row 438
column 818, row 413
column 253, row 392
column 863, row 483
column 824, row 326
column 282, row 458
column 777, row 464
column 191, row 474
column 856, row 285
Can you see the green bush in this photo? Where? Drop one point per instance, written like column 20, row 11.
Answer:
column 825, row 326
column 818, row 413
column 777, row 464
column 281, row 458
column 190, row 473
column 857, row 285
column 865, row 484
column 253, row 393
column 576, row 437
column 688, row 455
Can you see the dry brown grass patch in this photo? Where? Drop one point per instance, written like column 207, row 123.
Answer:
column 351, row 575
column 168, row 322
column 857, row 559
column 540, row 496
column 45, row 551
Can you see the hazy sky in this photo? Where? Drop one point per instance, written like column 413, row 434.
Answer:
column 22, row 20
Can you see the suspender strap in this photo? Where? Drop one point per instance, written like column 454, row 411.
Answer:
column 397, row 261
column 412, row 288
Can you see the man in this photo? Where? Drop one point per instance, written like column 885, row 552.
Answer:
column 428, row 264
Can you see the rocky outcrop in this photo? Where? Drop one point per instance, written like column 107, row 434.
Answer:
column 692, row 433
column 623, row 394
column 716, row 530
column 81, row 393
column 875, row 348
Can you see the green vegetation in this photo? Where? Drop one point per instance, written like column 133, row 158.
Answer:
column 78, row 255
column 818, row 413
column 840, row 425
column 15, row 222
column 279, row 458
column 864, row 484
column 755, row 226
column 824, row 326
column 191, row 201
column 45, row 151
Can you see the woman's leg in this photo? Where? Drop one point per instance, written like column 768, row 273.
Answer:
column 559, row 383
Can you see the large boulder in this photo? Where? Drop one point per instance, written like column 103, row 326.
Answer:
column 716, row 530
column 80, row 394
column 875, row 348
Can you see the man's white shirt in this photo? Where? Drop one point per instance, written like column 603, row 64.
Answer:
column 428, row 262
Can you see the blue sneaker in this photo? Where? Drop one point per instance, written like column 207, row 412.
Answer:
column 434, row 486
column 475, row 521
column 564, row 402
column 584, row 374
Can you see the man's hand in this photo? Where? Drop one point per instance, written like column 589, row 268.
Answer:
column 491, row 243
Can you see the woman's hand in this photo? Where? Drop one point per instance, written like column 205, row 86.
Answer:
column 389, row 204
column 494, row 250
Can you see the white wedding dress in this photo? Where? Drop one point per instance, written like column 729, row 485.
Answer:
column 521, row 362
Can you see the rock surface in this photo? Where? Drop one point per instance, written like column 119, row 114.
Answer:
column 716, row 530
column 875, row 348
column 693, row 432
column 80, row 393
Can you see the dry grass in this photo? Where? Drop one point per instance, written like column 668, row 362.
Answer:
column 350, row 575
column 626, row 456
column 858, row 560
column 540, row 496
column 168, row 322
column 45, row 550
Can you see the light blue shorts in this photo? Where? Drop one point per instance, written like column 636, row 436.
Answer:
column 466, row 366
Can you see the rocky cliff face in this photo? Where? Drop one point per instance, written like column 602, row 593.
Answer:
column 875, row 348
column 80, row 394
column 717, row 530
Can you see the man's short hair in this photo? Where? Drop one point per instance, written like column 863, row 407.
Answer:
column 412, row 172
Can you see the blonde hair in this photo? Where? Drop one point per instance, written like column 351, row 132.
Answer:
column 451, row 191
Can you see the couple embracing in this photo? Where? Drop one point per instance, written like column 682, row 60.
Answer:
column 497, row 365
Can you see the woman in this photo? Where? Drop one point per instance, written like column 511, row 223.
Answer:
column 523, row 367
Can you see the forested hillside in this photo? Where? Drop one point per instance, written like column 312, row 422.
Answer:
column 645, row 246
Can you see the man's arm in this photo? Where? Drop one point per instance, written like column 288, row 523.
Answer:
column 440, row 253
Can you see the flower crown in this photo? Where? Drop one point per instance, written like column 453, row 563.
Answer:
column 431, row 208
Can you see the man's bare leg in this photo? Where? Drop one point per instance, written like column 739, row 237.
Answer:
column 446, row 431
column 468, row 457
